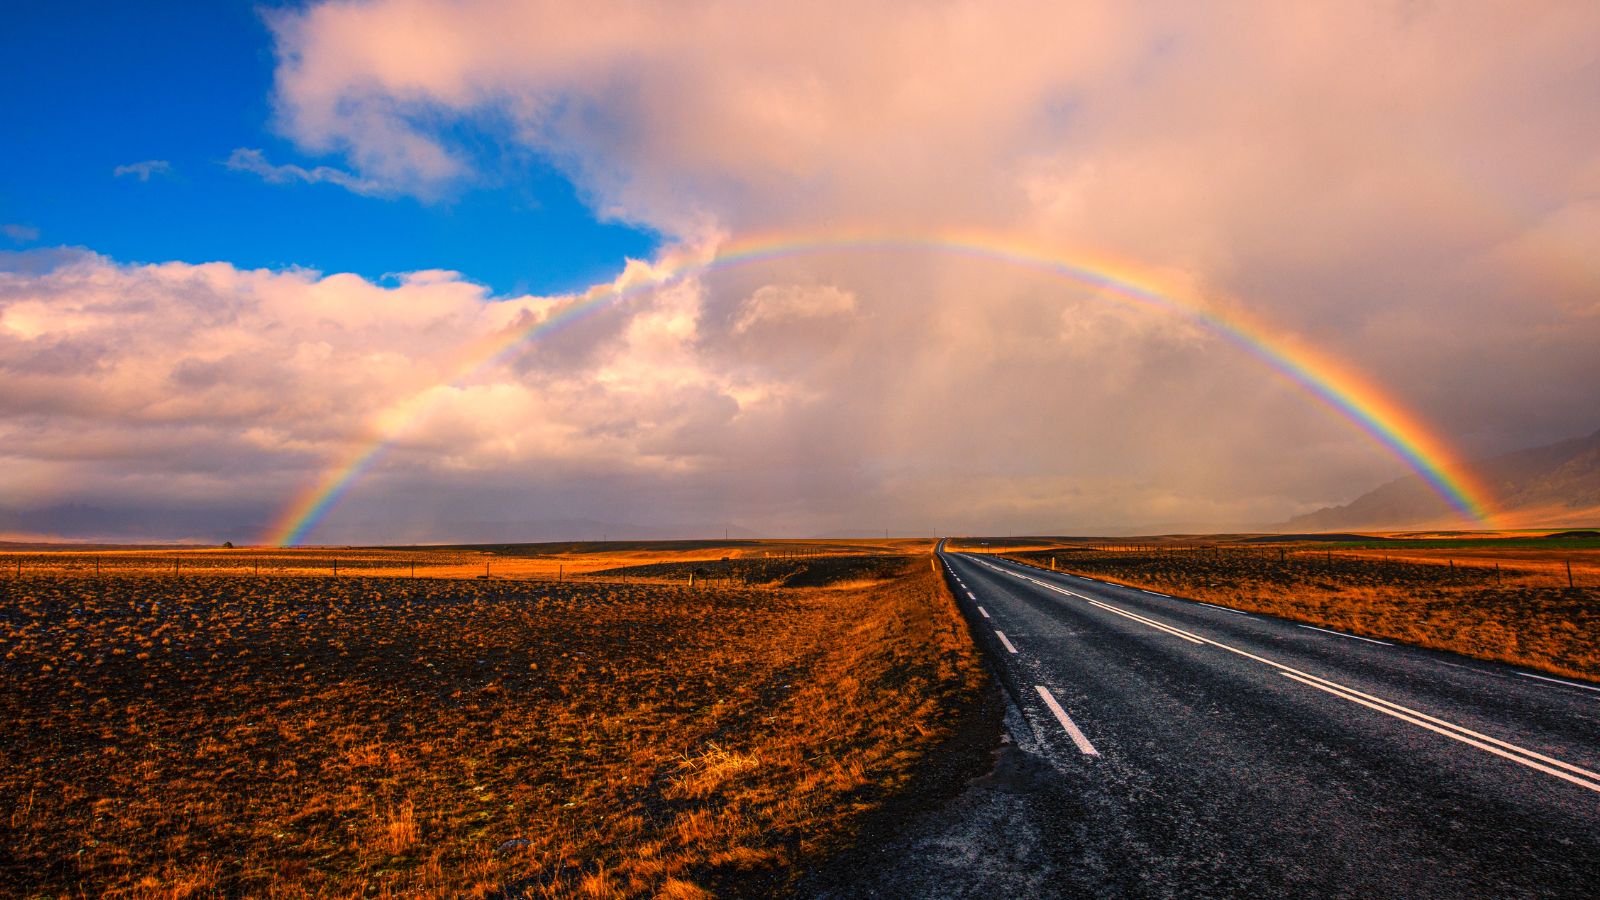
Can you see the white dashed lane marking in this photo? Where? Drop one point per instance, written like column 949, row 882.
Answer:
column 1084, row 747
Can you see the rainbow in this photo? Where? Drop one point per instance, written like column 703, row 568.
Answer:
column 1338, row 387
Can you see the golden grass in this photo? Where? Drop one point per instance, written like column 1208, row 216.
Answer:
column 1530, row 567
column 513, row 561
column 1523, row 613
column 272, row 736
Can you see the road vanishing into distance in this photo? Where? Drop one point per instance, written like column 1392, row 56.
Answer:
column 1166, row 747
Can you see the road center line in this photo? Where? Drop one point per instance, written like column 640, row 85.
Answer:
column 1175, row 632
column 1159, row 626
column 970, row 597
column 984, row 611
column 1084, row 747
column 1353, row 637
column 1004, row 640
column 1353, row 698
column 1237, row 612
column 1559, row 681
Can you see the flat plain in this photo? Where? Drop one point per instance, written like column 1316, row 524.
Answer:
column 293, row 733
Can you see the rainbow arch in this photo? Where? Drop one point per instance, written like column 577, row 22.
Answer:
column 1343, row 390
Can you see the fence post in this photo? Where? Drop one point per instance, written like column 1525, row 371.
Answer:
column 336, row 566
column 1569, row 574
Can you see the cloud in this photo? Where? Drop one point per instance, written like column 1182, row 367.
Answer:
column 255, row 162
column 181, row 384
column 1335, row 170
column 22, row 234
column 1409, row 187
column 779, row 304
column 736, row 396
column 143, row 170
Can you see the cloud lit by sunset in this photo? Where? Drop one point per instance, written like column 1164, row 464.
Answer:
column 487, row 257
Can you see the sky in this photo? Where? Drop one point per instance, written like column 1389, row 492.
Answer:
column 259, row 263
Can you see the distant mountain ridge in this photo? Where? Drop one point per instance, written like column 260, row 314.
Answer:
column 1554, row 485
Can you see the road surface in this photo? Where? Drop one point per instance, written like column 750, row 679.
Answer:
column 1164, row 747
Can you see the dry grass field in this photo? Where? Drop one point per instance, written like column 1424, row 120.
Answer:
column 216, row 732
column 520, row 561
column 1440, row 594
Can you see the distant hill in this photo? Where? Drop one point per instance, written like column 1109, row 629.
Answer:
column 1548, row 486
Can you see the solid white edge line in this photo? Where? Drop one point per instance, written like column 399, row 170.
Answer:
column 1584, row 687
column 1005, row 640
column 1353, row 637
column 1084, row 747
column 984, row 611
column 1581, row 782
column 1470, row 669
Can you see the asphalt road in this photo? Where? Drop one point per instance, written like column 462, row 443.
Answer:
column 1164, row 747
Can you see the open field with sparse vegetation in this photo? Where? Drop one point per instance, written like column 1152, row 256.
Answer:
column 552, row 561
column 1509, row 599
column 218, row 732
